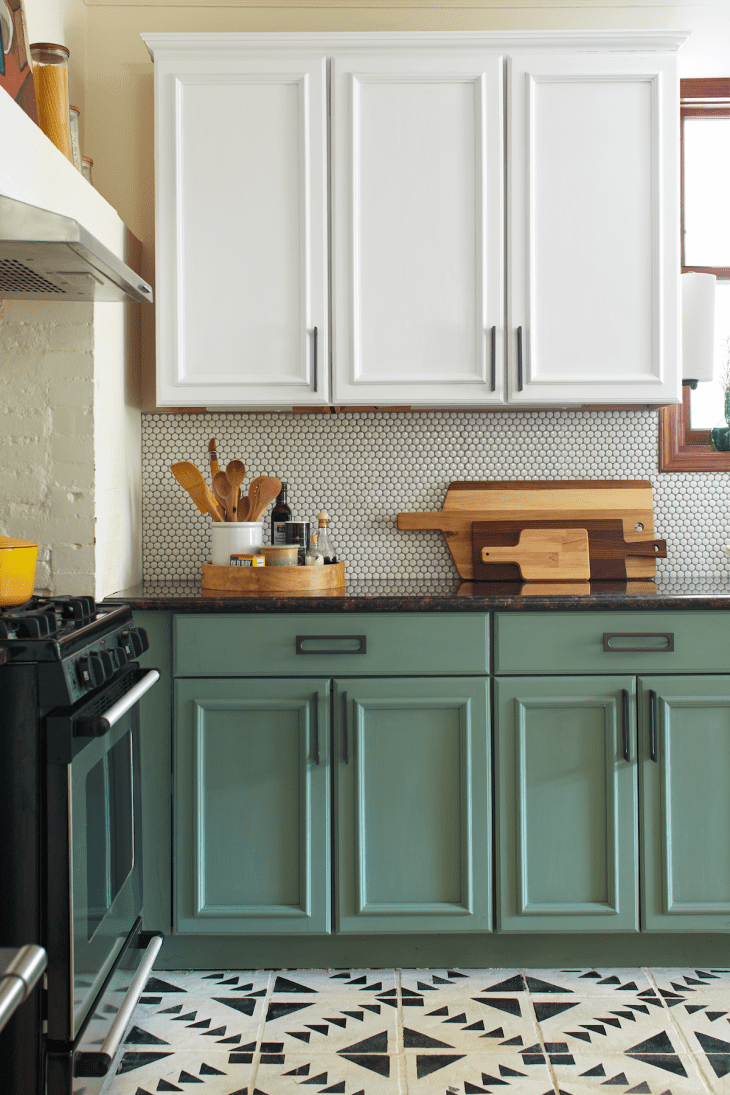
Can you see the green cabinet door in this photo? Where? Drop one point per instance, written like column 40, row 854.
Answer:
column 251, row 816
column 567, row 804
column 685, row 774
column 413, row 805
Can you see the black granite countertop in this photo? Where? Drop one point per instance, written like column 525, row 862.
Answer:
column 440, row 596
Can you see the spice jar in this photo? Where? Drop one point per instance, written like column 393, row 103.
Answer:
column 86, row 165
column 73, row 127
column 50, row 78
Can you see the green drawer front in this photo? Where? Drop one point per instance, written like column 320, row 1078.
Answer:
column 572, row 642
column 356, row 644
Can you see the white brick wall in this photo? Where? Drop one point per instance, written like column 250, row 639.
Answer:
column 60, row 412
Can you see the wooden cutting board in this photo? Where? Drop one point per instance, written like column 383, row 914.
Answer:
column 607, row 548
column 630, row 501
column 544, row 555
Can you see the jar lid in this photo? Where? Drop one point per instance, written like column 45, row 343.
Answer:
column 50, row 45
column 323, row 517
column 74, row 108
column 87, row 159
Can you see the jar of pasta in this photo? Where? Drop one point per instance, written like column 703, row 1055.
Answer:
column 50, row 78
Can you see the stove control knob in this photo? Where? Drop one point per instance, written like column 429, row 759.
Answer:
column 121, row 656
column 91, row 671
column 108, row 662
column 134, row 643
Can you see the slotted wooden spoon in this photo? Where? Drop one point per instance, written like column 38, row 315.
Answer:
column 261, row 493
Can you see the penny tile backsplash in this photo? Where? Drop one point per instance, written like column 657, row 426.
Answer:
column 364, row 468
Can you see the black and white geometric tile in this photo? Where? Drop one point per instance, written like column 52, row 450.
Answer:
column 429, row 1032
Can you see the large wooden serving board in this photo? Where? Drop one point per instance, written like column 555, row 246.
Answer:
column 630, row 501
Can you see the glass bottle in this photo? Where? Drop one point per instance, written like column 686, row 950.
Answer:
column 314, row 557
column 324, row 542
column 280, row 514
column 73, row 126
column 50, row 79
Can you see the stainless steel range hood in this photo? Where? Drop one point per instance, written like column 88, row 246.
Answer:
column 46, row 256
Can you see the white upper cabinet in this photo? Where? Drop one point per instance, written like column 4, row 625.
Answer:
column 418, row 215
column 241, row 225
column 484, row 220
column 593, row 235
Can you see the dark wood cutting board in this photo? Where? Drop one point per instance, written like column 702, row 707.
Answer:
column 607, row 547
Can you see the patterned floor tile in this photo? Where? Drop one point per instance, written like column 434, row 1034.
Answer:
column 343, row 1073
column 462, row 982
column 148, row 1071
column 588, row 982
column 437, row 1071
column 657, row 1074
column 484, row 1024
column 333, row 982
column 200, row 1011
column 705, row 1026
column 695, row 984
column 325, row 1023
column 599, row 1022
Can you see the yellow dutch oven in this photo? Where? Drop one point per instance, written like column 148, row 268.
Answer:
column 17, row 570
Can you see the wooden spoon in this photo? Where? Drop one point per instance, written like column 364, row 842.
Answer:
column 227, row 492
column 189, row 477
column 261, row 494
column 235, row 472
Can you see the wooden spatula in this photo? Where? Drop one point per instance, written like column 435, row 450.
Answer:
column 261, row 493
column 192, row 480
column 546, row 554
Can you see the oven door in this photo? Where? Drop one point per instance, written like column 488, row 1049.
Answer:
column 94, row 869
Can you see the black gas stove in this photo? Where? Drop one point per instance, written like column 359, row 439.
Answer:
column 85, row 644
column 71, row 849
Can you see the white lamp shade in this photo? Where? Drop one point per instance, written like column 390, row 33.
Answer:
column 698, row 326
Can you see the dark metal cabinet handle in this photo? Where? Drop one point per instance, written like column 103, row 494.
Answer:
column 519, row 359
column 361, row 639
column 345, row 751
column 494, row 358
column 625, row 717
column 314, row 359
column 652, row 725
column 315, row 727
column 666, row 648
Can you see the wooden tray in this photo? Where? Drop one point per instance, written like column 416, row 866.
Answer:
column 629, row 501
column 273, row 579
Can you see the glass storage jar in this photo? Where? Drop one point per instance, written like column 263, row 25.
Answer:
column 73, row 125
column 50, row 79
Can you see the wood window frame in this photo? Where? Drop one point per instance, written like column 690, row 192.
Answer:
column 680, row 447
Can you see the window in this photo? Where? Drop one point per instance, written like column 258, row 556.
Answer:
column 705, row 143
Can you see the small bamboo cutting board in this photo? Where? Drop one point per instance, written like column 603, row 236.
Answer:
column 629, row 501
column 544, row 555
column 607, row 548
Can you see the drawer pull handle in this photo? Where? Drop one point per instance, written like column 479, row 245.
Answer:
column 625, row 718
column 345, row 753
column 652, row 725
column 315, row 727
column 314, row 360
column 664, row 644
column 360, row 639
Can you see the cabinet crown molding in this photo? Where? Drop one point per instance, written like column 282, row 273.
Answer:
column 623, row 40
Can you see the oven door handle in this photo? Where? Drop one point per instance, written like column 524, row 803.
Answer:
column 98, row 725
column 97, row 1063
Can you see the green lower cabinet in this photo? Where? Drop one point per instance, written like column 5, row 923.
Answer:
column 685, row 774
column 567, row 805
column 413, row 824
column 251, row 842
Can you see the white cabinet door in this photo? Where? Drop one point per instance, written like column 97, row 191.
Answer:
column 241, row 157
column 417, row 215
column 593, row 228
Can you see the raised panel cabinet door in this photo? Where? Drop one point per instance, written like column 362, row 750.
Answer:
column 567, row 810
column 241, row 224
column 593, row 239
column 251, row 807
column 413, row 792
column 417, row 209
column 685, row 782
